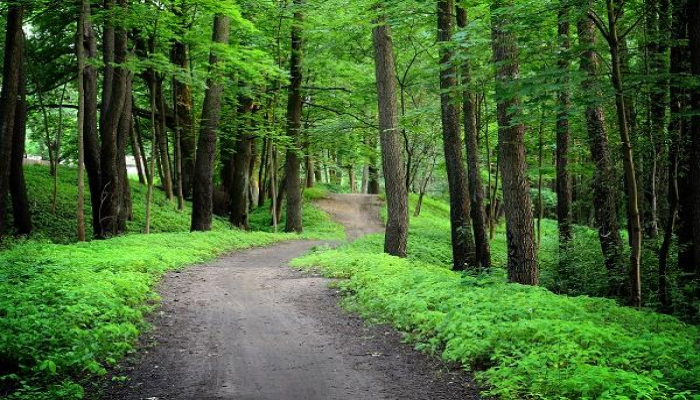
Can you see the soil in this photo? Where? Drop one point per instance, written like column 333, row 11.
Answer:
column 249, row 327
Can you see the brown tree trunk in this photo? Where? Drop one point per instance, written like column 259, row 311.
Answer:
column 18, row 189
column 80, row 53
column 463, row 252
column 694, row 36
column 163, row 148
column 90, row 130
column 240, row 165
column 124, row 132
column 634, row 220
column 136, row 152
column 394, row 174
column 202, row 204
column 113, row 100
column 522, row 254
column 605, row 182
column 183, row 109
column 476, row 187
column 11, row 87
column 564, row 182
column 294, row 110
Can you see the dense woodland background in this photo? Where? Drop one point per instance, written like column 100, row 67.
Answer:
column 570, row 127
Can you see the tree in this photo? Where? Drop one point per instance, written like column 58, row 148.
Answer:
column 463, row 252
column 294, row 110
column 564, row 183
column 11, row 88
column 694, row 36
column 80, row 53
column 522, row 256
column 394, row 174
column 471, row 134
column 634, row 220
column 202, row 199
column 604, row 183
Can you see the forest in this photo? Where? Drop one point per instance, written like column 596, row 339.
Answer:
column 534, row 165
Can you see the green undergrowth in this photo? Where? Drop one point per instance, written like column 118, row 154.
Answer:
column 522, row 342
column 61, row 227
column 73, row 310
column 317, row 224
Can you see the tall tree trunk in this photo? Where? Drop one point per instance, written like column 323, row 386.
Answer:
column 694, row 36
column 564, row 182
column 394, row 175
column 202, row 204
column 136, row 152
column 113, row 100
column 124, row 213
column 90, row 130
column 522, row 254
column 18, row 189
column 12, row 72
column 163, row 148
column 178, row 150
column 294, row 110
column 240, row 163
column 463, row 252
column 80, row 53
column 183, row 110
column 623, row 113
column 476, row 187
column 605, row 182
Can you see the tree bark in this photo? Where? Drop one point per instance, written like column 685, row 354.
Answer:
column 90, row 131
column 12, row 72
column 113, row 99
column 240, row 163
column 634, row 220
column 80, row 54
column 202, row 204
column 605, row 182
column 463, row 252
column 396, row 236
column 522, row 254
column 694, row 36
column 18, row 188
column 564, row 182
column 294, row 110
column 476, row 187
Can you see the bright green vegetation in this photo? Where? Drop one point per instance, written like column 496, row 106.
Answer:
column 317, row 224
column 61, row 228
column 524, row 342
column 70, row 311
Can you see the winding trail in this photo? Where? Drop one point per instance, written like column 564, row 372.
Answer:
column 248, row 327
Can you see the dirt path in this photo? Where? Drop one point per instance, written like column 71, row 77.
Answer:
column 248, row 327
column 358, row 213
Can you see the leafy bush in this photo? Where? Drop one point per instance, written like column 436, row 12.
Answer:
column 523, row 342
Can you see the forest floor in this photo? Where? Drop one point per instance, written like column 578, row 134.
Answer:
column 249, row 327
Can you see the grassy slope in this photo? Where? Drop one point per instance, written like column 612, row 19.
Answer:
column 72, row 310
column 524, row 342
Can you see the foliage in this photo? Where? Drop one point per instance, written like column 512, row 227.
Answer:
column 524, row 342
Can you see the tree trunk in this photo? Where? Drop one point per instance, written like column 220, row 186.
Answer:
column 163, row 148
column 12, row 72
column 522, row 255
column 124, row 132
column 394, row 175
column 90, row 130
column 80, row 53
column 294, row 110
column 463, row 252
column 605, row 182
column 564, row 182
column 183, row 110
column 694, row 36
column 136, row 152
column 113, row 100
column 634, row 221
column 18, row 189
column 240, row 163
column 202, row 204
column 476, row 187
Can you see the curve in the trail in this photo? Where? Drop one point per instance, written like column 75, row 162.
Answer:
column 248, row 327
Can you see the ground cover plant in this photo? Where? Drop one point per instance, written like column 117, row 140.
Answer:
column 524, row 342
